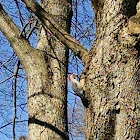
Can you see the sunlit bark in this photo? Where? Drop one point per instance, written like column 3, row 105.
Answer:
column 112, row 77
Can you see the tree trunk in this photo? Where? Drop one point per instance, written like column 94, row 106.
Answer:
column 112, row 75
column 47, row 79
column 46, row 69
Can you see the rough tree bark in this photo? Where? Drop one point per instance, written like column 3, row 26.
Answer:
column 50, row 104
column 111, row 76
column 46, row 72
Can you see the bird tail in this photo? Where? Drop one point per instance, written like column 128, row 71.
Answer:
column 84, row 100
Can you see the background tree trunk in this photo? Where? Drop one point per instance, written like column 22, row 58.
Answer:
column 112, row 74
column 47, row 79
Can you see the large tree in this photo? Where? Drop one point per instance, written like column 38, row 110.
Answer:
column 110, row 78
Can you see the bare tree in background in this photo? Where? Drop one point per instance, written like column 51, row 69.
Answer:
column 111, row 75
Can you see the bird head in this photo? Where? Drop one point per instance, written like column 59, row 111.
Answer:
column 72, row 76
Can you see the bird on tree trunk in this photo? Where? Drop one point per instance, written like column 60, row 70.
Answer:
column 78, row 89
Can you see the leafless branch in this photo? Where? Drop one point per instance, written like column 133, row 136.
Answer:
column 14, row 96
column 20, row 45
column 3, row 65
column 7, row 60
column 32, row 28
column 6, row 79
column 24, row 26
column 20, row 14
column 33, row 22
column 56, row 29
column 11, row 123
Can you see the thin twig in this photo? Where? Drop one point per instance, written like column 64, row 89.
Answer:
column 14, row 96
column 26, row 24
column 19, row 12
column 7, row 60
column 6, row 79
column 32, row 28
column 11, row 123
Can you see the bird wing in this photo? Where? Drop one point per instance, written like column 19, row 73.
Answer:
column 76, row 86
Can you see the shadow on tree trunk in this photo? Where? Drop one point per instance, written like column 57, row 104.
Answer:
column 47, row 125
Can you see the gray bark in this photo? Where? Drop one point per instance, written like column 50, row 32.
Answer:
column 112, row 74
column 48, row 96
column 46, row 72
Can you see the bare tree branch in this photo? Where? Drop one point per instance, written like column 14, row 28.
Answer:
column 7, row 60
column 20, row 45
column 19, row 12
column 3, row 65
column 15, row 97
column 9, row 123
column 6, row 79
column 33, row 23
column 56, row 29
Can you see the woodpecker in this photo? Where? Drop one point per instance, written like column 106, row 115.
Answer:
column 78, row 89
